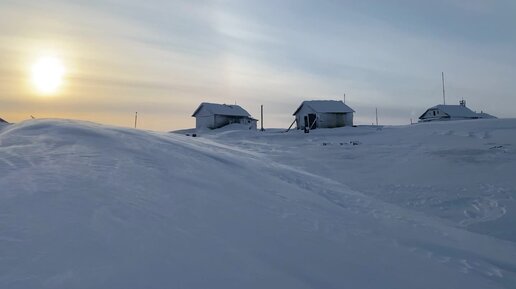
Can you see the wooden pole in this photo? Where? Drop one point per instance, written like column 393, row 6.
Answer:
column 261, row 117
column 135, row 119
column 290, row 126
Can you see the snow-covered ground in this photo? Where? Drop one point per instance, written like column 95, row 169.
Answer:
column 424, row 206
column 461, row 171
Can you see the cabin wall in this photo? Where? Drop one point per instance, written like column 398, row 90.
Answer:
column 223, row 120
column 349, row 119
column 204, row 122
column 204, row 119
column 434, row 114
column 253, row 123
column 331, row 120
column 326, row 120
column 300, row 116
column 249, row 122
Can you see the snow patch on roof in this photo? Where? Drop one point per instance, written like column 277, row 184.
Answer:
column 326, row 106
column 222, row 109
column 456, row 110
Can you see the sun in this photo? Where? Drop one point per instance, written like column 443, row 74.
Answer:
column 47, row 74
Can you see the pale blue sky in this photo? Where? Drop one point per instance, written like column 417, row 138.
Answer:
column 162, row 58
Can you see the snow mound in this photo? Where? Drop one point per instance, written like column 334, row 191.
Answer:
column 3, row 124
column 90, row 206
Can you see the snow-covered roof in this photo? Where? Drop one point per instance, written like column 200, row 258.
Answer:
column 326, row 106
column 2, row 120
column 486, row 115
column 454, row 111
column 222, row 109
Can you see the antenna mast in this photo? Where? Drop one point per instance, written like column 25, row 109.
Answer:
column 344, row 98
column 444, row 92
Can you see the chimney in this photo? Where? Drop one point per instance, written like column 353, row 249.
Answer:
column 462, row 103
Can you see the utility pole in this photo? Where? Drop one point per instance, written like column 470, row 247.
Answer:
column 135, row 119
column 376, row 116
column 261, row 117
column 444, row 93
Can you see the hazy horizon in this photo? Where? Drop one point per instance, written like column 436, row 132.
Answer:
column 164, row 58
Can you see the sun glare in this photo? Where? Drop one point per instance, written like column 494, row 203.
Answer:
column 47, row 74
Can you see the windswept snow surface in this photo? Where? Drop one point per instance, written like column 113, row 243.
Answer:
column 90, row 206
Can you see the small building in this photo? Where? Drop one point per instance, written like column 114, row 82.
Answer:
column 323, row 114
column 443, row 112
column 214, row 115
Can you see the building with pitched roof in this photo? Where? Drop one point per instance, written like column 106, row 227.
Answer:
column 443, row 112
column 323, row 114
column 214, row 115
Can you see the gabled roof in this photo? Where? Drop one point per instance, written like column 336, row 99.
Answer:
column 458, row 111
column 222, row 109
column 326, row 106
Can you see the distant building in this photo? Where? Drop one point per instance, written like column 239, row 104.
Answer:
column 452, row 112
column 323, row 114
column 214, row 115
column 486, row 115
column 2, row 120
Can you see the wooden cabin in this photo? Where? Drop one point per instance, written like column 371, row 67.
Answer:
column 314, row 114
column 214, row 115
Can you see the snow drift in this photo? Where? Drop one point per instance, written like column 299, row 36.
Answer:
column 90, row 206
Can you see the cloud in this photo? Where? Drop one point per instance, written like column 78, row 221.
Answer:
column 165, row 57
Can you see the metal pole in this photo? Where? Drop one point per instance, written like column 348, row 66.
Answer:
column 135, row 119
column 376, row 116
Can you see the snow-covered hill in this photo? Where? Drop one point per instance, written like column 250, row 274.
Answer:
column 90, row 206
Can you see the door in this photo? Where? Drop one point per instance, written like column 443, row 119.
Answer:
column 311, row 120
column 340, row 119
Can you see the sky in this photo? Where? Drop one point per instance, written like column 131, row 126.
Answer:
column 163, row 58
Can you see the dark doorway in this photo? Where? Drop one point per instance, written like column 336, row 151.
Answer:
column 340, row 119
column 311, row 120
